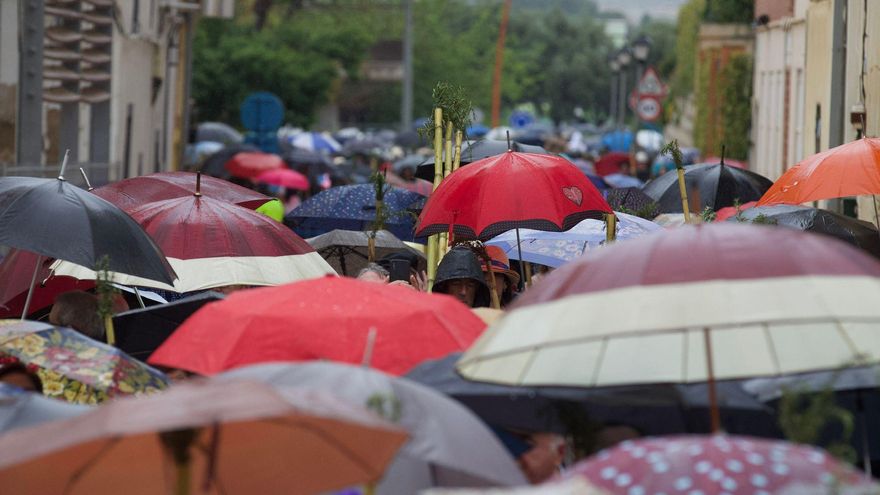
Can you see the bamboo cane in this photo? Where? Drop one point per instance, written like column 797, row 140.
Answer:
column 610, row 228
column 431, row 249
column 456, row 162
column 528, row 269
column 443, row 242
column 490, row 279
column 108, row 328
column 682, row 189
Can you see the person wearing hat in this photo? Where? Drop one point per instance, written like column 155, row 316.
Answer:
column 506, row 280
column 459, row 275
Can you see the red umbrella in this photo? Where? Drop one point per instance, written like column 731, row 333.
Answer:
column 725, row 251
column 851, row 169
column 130, row 194
column 213, row 243
column 16, row 272
column 610, row 163
column 250, row 164
column 512, row 190
column 729, row 211
column 329, row 318
column 285, row 177
column 716, row 464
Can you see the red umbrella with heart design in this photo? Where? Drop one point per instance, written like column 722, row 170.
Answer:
column 509, row 191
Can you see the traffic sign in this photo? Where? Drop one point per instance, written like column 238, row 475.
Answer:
column 648, row 108
column 520, row 118
column 651, row 85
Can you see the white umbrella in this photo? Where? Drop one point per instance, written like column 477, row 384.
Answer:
column 448, row 445
column 556, row 248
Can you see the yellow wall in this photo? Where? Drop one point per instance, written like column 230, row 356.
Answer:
column 817, row 89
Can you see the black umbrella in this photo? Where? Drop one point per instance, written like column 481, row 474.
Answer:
column 715, row 186
column 141, row 331
column 660, row 409
column 215, row 165
column 471, row 152
column 55, row 219
column 629, row 199
column 856, row 232
column 410, row 139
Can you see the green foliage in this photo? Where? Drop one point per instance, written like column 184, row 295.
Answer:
column 674, row 151
column 388, row 406
column 803, row 418
column 663, row 41
column 729, row 11
column 648, row 211
column 298, row 61
column 380, row 187
column 104, row 288
column 701, row 122
column 708, row 215
column 457, row 108
column 735, row 88
column 690, row 16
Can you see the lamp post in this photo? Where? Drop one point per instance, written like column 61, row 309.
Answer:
column 641, row 47
column 624, row 57
column 615, row 69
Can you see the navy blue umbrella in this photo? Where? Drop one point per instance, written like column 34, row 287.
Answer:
column 353, row 208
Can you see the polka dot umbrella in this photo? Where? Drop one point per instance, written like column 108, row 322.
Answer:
column 719, row 464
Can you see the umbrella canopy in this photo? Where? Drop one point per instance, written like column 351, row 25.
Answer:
column 629, row 198
column 716, row 464
column 19, row 408
column 139, row 332
column 859, row 233
column 448, row 445
column 409, row 161
column 730, row 211
column 315, row 141
column 477, row 150
column 715, row 186
column 727, row 161
column 353, row 208
column 653, row 410
column 793, row 302
column 850, row 169
column 597, row 181
column 74, row 367
column 289, row 179
column 500, row 193
column 53, row 218
column 218, row 132
column 347, row 250
column 557, row 248
column 234, row 437
column 619, row 180
column 610, row 163
column 295, row 323
column 17, row 271
column 134, row 192
column 215, row 165
column 420, row 186
column 250, row 164
column 212, row 243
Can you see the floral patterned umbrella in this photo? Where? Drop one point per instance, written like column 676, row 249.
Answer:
column 73, row 366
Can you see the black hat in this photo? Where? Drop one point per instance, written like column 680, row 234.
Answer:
column 461, row 263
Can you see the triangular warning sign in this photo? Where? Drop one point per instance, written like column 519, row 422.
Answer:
column 651, row 85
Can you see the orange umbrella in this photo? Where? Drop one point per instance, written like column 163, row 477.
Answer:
column 203, row 437
column 852, row 169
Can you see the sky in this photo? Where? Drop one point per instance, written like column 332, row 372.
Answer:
column 635, row 9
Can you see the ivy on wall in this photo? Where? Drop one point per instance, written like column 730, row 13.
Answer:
column 735, row 89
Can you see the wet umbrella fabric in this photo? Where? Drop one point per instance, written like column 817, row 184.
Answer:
column 477, row 150
column 329, row 318
column 215, row 165
column 54, row 218
column 557, row 248
column 609, row 163
column 17, row 271
column 231, row 437
column 218, row 132
column 497, row 194
column 134, row 192
column 618, row 180
column 629, row 198
column 713, row 186
column 353, row 208
column 284, row 177
column 315, row 141
column 20, row 408
column 716, row 464
column 250, row 164
column 858, row 233
column 139, row 332
column 653, row 410
column 347, row 250
column 448, row 445
column 213, row 243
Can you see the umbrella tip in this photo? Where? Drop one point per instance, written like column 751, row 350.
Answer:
column 64, row 164
column 198, row 192
column 509, row 148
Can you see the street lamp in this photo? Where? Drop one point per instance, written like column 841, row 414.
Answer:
column 615, row 69
column 624, row 57
column 640, row 48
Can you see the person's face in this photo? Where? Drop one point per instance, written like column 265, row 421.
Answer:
column 542, row 461
column 53, row 315
column 464, row 289
column 19, row 380
column 408, row 173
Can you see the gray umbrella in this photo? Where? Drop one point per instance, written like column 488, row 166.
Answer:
column 19, row 408
column 448, row 445
column 346, row 250
column 218, row 132
column 477, row 150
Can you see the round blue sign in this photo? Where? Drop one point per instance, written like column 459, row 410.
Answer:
column 519, row 119
column 262, row 112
